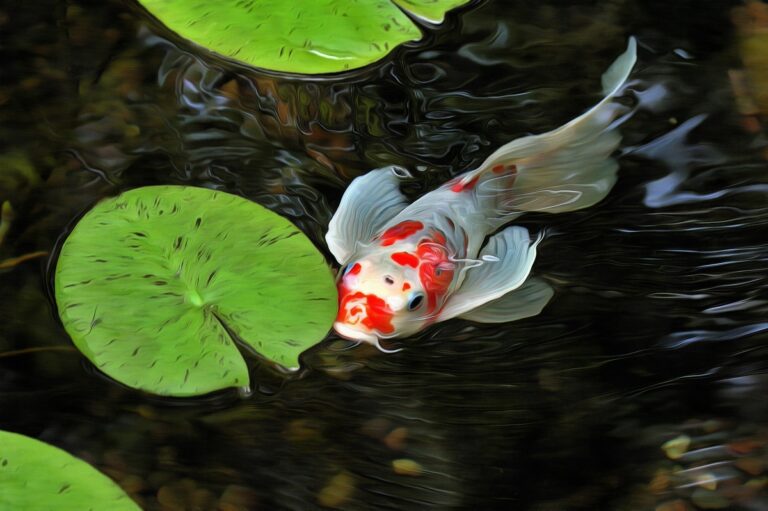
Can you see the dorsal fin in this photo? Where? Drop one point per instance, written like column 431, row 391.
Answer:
column 367, row 204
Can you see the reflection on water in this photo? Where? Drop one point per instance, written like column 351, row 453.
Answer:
column 656, row 333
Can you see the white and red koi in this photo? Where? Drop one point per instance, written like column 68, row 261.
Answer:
column 405, row 266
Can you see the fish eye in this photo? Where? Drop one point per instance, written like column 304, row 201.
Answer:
column 415, row 301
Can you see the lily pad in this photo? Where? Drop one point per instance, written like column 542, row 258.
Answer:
column 300, row 36
column 155, row 286
column 35, row 476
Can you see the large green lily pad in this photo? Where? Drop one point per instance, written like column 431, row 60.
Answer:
column 35, row 476
column 153, row 284
column 300, row 36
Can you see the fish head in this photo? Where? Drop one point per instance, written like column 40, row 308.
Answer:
column 392, row 293
column 378, row 299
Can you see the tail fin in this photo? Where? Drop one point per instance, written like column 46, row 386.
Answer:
column 563, row 170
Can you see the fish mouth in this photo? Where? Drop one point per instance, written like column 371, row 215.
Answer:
column 347, row 332
column 367, row 312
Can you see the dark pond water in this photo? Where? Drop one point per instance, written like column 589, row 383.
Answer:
column 658, row 326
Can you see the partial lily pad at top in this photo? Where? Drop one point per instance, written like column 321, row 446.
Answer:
column 35, row 476
column 153, row 284
column 432, row 11
column 300, row 36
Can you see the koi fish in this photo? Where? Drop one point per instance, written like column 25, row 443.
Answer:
column 406, row 266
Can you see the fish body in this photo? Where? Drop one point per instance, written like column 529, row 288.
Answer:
column 406, row 266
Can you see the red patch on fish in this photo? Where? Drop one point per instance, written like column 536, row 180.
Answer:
column 512, row 174
column 498, row 169
column 406, row 286
column 438, row 237
column 355, row 269
column 400, row 232
column 405, row 259
column 465, row 187
column 435, row 272
column 377, row 315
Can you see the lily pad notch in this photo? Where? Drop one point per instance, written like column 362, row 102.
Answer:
column 154, row 286
column 300, row 36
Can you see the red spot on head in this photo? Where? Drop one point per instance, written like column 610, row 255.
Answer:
column 378, row 315
column 400, row 232
column 355, row 269
column 406, row 286
column 405, row 259
column 369, row 310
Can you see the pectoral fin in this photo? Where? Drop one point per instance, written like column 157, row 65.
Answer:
column 370, row 202
column 506, row 260
column 526, row 301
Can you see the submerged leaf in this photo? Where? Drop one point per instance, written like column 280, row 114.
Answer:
column 153, row 284
column 35, row 476
column 338, row 490
column 302, row 36
column 677, row 447
column 6, row 217
column 406, row 467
